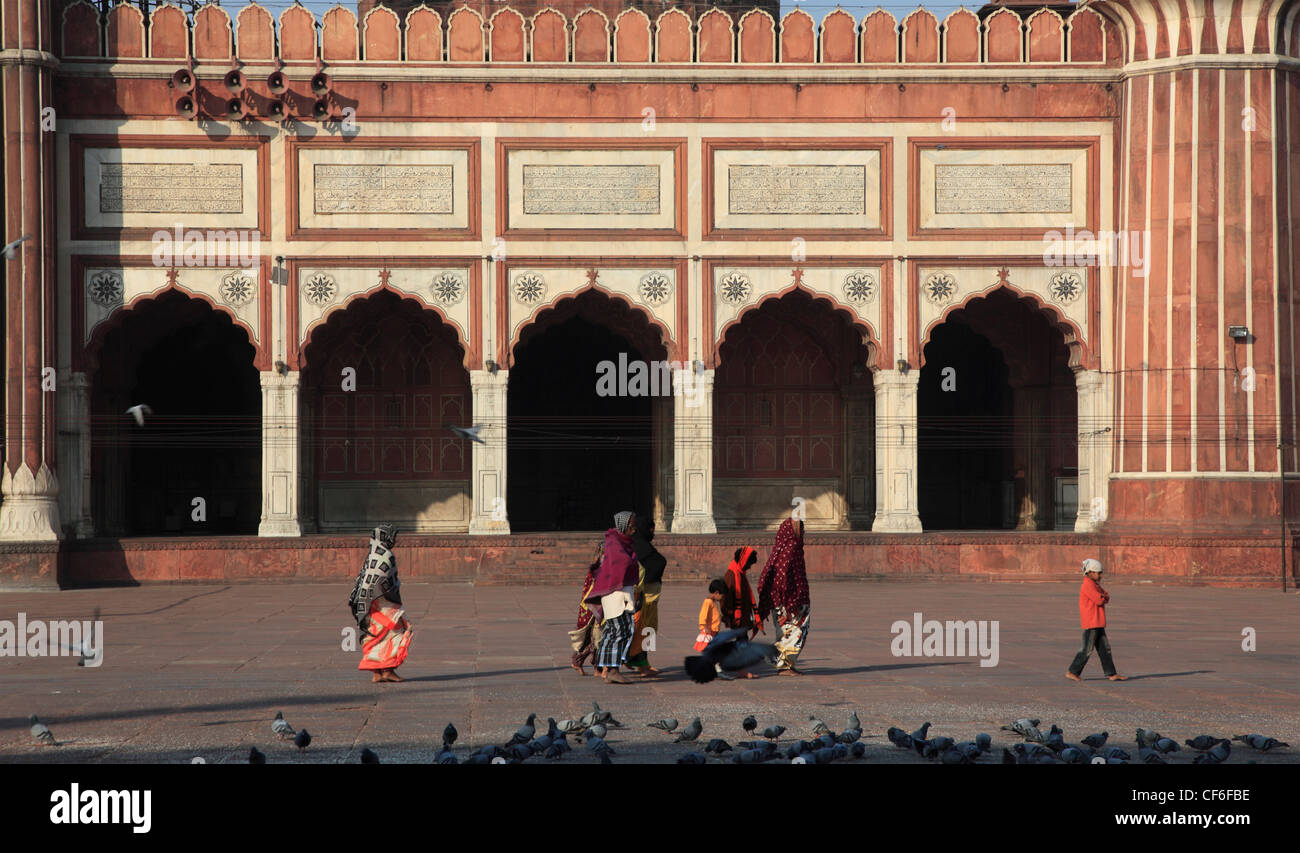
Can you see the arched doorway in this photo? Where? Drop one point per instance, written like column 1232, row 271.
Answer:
column 997, row 420
column 794, row 417
column 576, row 455
column 193, row 367
column 383, row 382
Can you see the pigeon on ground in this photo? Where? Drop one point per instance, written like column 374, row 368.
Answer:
column 936, row 746
column 10, row 251
column 255, row 756
column 1148, row 755
column 138, row 412
column 282, row 728
column 773, row 732
column 302, row 740
column 1217, row 755
column 585, row 721
column 491, row 751
column 1147, row 737
column 604, row 756
column 691, row 732
column 730, row 652
column 368, row 757
column 749, row 756
column 825, row 755
column 819, row 728
column 1203, row 742
column 1026, row 728
column 1097, row 741
column 469, row 433
column 1074, row 755
column 480, row 758
column 920, row 734
column 692, row 758
column 1115, row 752
column 984, row 741
column 555, row 750
column 561, row 742
column 899, row 738
column 571, row 726
column 826, row 741
column 540, row 744
column 1009, row 757
column 1261, row 742
column 858, row 750
column 552, row 730
column 598, row 745
column 749, row 723
column 717, row 745
column 603, row 716
column 42, row 732
column 1165, row 745
column 954, row 756
column 449, row 735
column 1055, row 738
column 519, row 751
column 525, row 732
column 968, row 749
column 849, row 736
column 663, row 725
column 445, row 755
column 854, row 722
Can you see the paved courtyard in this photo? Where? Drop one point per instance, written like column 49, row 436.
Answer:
column 200, row 671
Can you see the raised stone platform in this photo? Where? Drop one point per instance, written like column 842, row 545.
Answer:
column 1253, row 561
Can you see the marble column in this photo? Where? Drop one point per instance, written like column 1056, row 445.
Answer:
column 1093, row 465
column 859, row 456
column 281, row 455
column 74, row 455
column 693, row 453
column 896, row 483
column 30, row 489
column 488, row 486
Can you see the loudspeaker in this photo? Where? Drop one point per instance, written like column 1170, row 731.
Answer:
column 320, row 84
column 276, row 83
column 277, row 110
column 236, row 109
column 185, row 107
column 234, row 81
column 183, row 79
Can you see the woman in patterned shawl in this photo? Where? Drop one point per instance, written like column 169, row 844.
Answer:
column 585, row 637
column 611, row 596
column 376, row 604
column 783, row 591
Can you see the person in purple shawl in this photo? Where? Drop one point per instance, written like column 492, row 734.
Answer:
column 611, row 596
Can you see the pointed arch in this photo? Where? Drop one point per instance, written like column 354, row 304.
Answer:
column 961, row 36
column 381, row 35
column 507, row 39
column 798, row 37
column 549, row 36
column 869, row 337
column 1072, row 335
column 124, row 32
column 880, row 37
column 254, row 33
column 757, row 37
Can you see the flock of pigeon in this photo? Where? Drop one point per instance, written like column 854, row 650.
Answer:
column 825, row 747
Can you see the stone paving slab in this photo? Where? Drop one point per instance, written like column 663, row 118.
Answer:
column 200, row 671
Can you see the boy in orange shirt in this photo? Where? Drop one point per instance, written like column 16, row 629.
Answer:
column 711, row 614
column 1092, row 615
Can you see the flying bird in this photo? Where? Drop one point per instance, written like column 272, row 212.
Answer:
column 368, row 757
column 691, row 732
column 525, row 732
column 138, row 412
column 10, row 250
column 302, row 740
column 42, row 732
column 469, row 433
column 729, row 651
column 282, row 728
column 255, row 756
column 663, row 725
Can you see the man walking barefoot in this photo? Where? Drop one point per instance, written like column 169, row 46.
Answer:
column 1092, row 615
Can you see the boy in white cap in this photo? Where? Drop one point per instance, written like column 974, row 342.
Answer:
column 1092, row 615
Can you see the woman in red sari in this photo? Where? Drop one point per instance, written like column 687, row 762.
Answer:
column 783, row 591
column 376, row 604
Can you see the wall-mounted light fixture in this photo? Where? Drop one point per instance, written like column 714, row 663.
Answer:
column 902, row 365
column 1239, row 333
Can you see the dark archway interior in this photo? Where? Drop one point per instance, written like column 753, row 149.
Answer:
column 194, row 369
column 998, row 436
column 966, row 435
column 575, row 458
